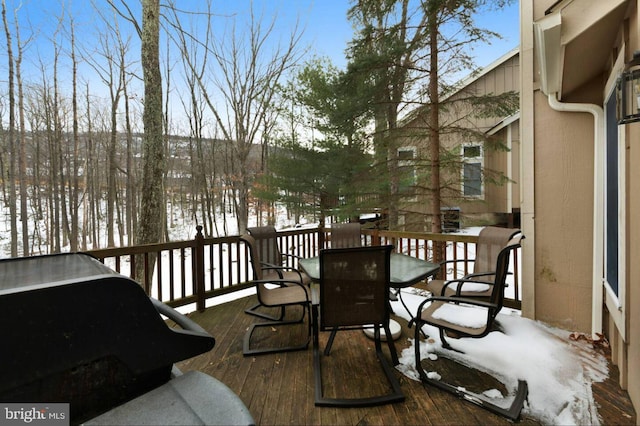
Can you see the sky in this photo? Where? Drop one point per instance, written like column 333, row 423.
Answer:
column 328, row 31
column 326, row 28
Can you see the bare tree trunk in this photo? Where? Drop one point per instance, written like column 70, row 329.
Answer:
column 131, row 197
column 62, row 230
column 22, row 156
column 152, row 208
column 112, row 173
column 86, row 206
column 170, row 162
column 12, row 128
column 73, row 198
column 90, row 179
column 434, row 135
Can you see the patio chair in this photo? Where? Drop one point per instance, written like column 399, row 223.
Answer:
column 274, row 291
column 354, row 286
column 491, row 240
column 345, row 235
column 74, row 331
column 267, row 244
column 469, row 317
column 267, row 263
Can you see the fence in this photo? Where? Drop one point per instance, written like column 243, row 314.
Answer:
column 192, row 272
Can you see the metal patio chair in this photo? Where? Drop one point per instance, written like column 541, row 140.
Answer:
column 267, row 263
column 471, row 317
column 354, row 288
column 275, row 291
column 491, row 240
column 345, row 235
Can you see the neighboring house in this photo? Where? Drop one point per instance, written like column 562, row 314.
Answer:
column 481, row 183
column 581, row 174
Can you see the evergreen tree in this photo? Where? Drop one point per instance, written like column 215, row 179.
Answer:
column 405, row 50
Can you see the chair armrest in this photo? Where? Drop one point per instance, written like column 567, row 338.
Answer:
column 457, row 300
column 285, row 283
column 462, row 281
column 480, row 274
column 282, row 268
column 444, row 262
column 483, row 274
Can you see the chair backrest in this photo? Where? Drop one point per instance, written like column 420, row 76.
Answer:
column 345, row 235
column 266, row 244
column 502, row 270
column 254, row 255
column 354, row 286
column 491, row 241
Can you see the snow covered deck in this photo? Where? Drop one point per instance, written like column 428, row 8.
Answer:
column 279, row 388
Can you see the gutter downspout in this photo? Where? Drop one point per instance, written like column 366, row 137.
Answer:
column 598, row 203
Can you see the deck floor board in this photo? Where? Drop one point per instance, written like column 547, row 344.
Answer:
column 279, row 388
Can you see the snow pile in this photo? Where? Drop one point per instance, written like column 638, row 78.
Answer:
column 464, row 315
column 559, row 372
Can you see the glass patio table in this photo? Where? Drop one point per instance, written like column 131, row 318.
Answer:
column 405, row 271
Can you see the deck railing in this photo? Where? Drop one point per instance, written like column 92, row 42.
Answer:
column 192, row 272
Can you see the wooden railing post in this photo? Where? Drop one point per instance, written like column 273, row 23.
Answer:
column 375, row 238
column 321, row 238
column 198, row 273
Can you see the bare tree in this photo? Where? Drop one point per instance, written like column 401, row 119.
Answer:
column 109, row 71
column 74, row 175
column 11, row 136
column 243, row 75
column 152, row 206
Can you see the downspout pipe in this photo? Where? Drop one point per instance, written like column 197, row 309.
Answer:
column 598, row 203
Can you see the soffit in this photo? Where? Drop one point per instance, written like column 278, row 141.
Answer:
column 574, row 42
column 588, row 41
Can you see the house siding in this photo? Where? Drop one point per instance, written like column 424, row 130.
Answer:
column 563, row 159
column 498, row 201
column 558, row 184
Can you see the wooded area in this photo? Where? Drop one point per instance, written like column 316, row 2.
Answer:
column 150, row 106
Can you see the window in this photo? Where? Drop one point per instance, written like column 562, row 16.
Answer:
column 614, row 214
column 472, row 170
column 611, row 197
column 407, row 169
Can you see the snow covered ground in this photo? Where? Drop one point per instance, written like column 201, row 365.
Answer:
column 559, row 371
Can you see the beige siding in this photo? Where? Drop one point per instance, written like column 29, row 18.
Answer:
column 563, row 215
column 561, row 193
column 497, row 202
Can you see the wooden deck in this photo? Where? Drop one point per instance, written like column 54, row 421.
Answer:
column 278, row 389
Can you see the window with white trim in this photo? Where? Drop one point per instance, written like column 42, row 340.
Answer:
column 614, row 220
column 614, row 216
column 472, row 163
column 407, row 168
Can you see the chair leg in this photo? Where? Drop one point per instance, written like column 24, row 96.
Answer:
column 443, row 339
column 246, row 349
column 395, row 395
column 332, row 336
column 512, row 412
column 392, row 346
column 416, row 347
column 253, row 311
column 445, row 342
